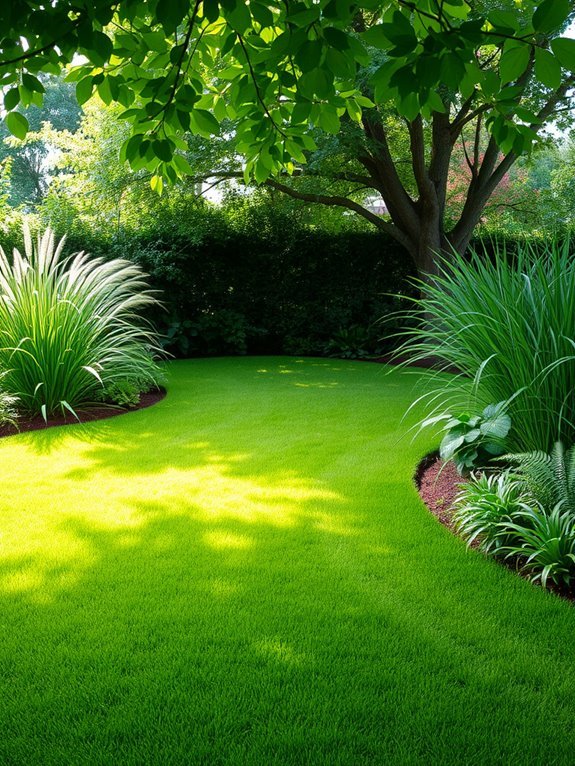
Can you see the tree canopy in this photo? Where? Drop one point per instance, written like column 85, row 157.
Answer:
column 278, row 71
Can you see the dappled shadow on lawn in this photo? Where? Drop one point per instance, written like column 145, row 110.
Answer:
column 246, row 584
column 173, row 634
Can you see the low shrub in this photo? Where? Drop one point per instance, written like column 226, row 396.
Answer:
column 71, row 327
column 544, row 543
column 550, row 479
column 227, row 290
column 483, row 507
column 8, row 409
column 525, row 514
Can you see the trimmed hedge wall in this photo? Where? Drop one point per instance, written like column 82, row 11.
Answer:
column 316, row 293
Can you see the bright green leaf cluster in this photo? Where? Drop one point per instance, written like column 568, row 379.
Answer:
column 272, row 70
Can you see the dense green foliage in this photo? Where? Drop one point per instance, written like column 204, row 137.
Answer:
column 511, row 517
column 70, row 328
column 244, row 574
column 280, row 67
column 25, row 165
column 508, row 324
column 229, row 291
column 250, row 276
column 485, row 506
column 322, row 100
column 548, row 478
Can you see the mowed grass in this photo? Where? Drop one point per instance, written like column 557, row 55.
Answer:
column 244, row 574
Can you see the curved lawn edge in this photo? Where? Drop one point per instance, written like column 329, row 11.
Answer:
column 38, row 423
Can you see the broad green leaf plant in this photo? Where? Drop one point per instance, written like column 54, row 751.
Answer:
column 471, row 441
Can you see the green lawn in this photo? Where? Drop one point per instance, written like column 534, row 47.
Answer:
column 244, row 574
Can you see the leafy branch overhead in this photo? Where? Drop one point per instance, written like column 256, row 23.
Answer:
column 277, row 68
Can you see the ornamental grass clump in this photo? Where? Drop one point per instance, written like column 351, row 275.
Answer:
column 70, row 328
column 508, row 325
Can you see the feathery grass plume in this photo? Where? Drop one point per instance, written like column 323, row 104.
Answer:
column 508, row 325
column 71, row 326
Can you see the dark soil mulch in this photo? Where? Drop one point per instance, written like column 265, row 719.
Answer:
column 438, row 484
column 102, row 412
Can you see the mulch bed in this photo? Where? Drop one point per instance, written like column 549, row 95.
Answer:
column 438, row 484
column 37, row 423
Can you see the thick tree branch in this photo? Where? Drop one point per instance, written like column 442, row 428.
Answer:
column 381, row 166
column 344, row 202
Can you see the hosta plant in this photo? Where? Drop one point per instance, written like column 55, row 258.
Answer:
column 471, row 441
column 70, row 327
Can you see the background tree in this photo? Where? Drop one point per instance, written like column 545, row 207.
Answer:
column 28, row 171
column 278, row 70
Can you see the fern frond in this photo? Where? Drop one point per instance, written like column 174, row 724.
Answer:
column 550, row 479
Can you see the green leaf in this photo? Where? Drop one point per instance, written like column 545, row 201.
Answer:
column 353, row 110
column 457, row 10
column 328, row 120
column 164, row 150
column 32, row 83
column 564, row 49
column 171, row 12
column 84, row 89
column 341, row 65
column 376, row 37
column 300, row 112
column 262, row 14
column 550, row 15
column 318, row 82
column 157, row 184
column 211, row 10
column 155, row 41
column 104, row 91
column 295, row 151
column 309, row 55
column 132, row 147
column 400, row 33
column 183, row 165
column 506, row 21
column 11, row 99
column 240, row 17
column 409, row 106
column 183, row 119
column 17, row 124
column 449, row 445
column 100, row 49
column 336, row 38
column 513, row 63
column 204, row 122
column 496, row 428
column 547, row 68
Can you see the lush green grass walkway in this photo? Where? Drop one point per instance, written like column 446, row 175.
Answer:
column 244, row 574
